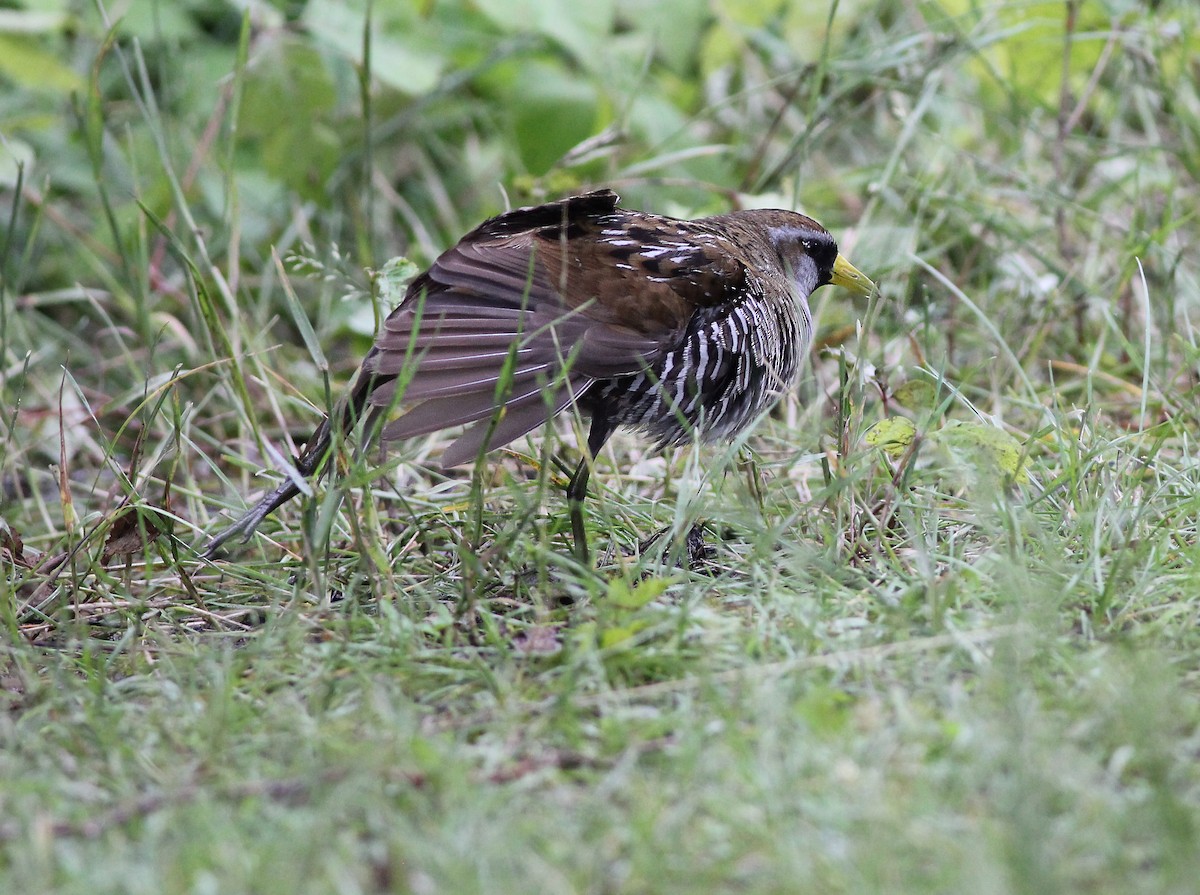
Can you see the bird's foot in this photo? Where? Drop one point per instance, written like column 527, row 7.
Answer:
column 689, row 552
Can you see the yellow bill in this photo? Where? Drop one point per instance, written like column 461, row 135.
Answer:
column 849, row 277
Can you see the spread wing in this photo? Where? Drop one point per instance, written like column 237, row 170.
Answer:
column 526, row 312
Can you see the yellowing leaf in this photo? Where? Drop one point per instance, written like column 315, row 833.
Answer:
column 893, row 434
column 989, row 448
column 916, row 394
column 1023, row 50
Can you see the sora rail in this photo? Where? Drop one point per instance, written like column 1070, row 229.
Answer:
column 672, row 327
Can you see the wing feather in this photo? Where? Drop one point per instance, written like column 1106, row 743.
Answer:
column 519, row 417
column 459, row 380
column 442, row 413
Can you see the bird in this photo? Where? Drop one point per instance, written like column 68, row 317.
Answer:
column 675, row 328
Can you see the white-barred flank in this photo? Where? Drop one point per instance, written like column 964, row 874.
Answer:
column 726, row 374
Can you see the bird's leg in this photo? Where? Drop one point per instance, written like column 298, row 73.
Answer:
column 317, row 449
column 577, row 488
column 246, row 525
column 576, row 492
column 748, row 465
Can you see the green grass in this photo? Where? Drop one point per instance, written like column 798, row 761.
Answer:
column 957, row 655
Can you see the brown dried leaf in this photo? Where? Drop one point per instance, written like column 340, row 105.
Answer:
column 12, row 548
column 125, row 535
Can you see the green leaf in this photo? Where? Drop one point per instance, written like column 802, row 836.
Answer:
column 893, row 434
column 304, row 325
column 553, row 111
column 615, row 636
column 673, row 27
column 31, row 67
column 391, row 280
column 826, row 709
column 29, row 21
column 988, row 449
column 748, row 13
column 579, row 27
column 1022, row 53
column 916, row 394
column 156, row 22
column 621, row 595
column 287, row 106
column 404, row 60
column 14, row 155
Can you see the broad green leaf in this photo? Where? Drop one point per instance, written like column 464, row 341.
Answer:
column 893, row 435
column 553, row 110
column 825, row 708
column 615, row 636
column 287, row 86
column 580, row 27
column 804, row 25
column 287, row 106
column 989, row 449
column 303, row 157
column 30, row 66
column 656, row 119
column 154, row 22
column 916, row 394
column 720, row 47
column 1022, row 45
column 673, row 27
column 404, row 61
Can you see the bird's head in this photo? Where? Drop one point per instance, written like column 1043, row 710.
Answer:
column 810, row 256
